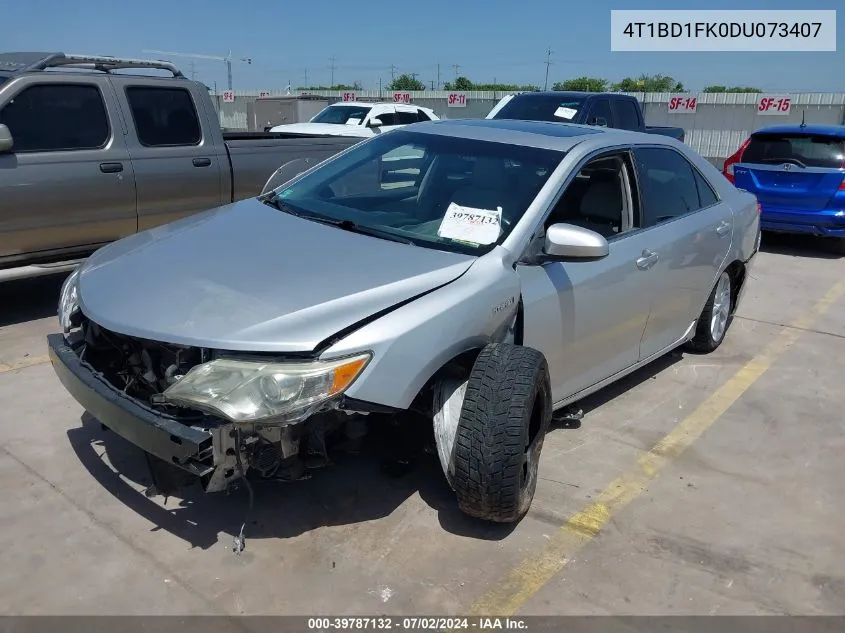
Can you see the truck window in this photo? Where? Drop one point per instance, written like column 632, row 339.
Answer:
column 57, row 117
column 667, row 184
column 164, row 117
column 541, row 107
column 627, row 115
column 600, row 109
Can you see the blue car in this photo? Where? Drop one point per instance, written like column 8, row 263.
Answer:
column 797, row 173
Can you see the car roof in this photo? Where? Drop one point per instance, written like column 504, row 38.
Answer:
column 568, row 94
column 372, row 103
column 540, row 134
column 797, row 128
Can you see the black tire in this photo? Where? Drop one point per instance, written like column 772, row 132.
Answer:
column 504, row 419
column 704, row 340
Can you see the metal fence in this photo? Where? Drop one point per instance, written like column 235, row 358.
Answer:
column 717, row 127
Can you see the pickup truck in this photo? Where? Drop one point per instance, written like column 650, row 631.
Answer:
column 605, row 109
column 89, row 157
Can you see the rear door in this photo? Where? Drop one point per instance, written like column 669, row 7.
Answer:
column 67, row 183
column 792, row 171
column 687, row 236
column 178, row 170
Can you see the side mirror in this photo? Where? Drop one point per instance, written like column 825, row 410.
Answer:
column 568, row 242
column 375, row 122
column 6, row 140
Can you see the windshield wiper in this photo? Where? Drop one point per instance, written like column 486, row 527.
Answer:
column 352, row 227
column 346, row 225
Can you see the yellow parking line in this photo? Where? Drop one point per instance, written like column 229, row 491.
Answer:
column 23, row 363
column 509, row 593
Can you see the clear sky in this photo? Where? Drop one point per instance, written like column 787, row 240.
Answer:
column 502, row 40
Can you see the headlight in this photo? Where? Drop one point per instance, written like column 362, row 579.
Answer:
column 246, row 391
column 69, row 301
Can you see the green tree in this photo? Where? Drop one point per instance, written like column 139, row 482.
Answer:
column 582, row 84
column 406, row 82
column 731, row 89
column 461, row 83
column 649, row 83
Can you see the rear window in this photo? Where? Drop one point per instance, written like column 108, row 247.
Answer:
column 809, row 150
column 541, row 108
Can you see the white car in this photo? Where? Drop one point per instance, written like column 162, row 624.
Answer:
column 356, row 118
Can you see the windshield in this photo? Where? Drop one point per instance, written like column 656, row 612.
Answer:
column 342, row 115
column 541, row 108
column 435, row 191
column 808, row 150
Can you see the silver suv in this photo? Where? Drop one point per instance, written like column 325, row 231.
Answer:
column 483, row 273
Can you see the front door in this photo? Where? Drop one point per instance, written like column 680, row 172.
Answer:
column 67, row 183
column 177, row 168
column 687, row 232
column 588, row 317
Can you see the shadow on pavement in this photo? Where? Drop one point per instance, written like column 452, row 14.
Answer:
column 798, row 246
column 355, row 489
column 23, row 300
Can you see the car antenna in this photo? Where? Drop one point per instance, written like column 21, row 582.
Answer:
column 803, row 124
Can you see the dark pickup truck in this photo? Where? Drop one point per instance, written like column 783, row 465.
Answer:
column 89, row 154
column 607, row 109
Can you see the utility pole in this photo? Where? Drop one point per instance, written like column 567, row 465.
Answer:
column 438, row 77
column 432, row 85
column 193, row 70
column 548, row 63
column 392, row 72
column 306, row 78
column 332, row 67
column 414, row 76
column 456, row 66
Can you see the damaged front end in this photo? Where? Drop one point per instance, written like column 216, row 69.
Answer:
column 206, row 414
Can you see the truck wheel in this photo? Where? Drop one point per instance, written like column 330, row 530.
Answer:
column 715, row 319
column 504, row 419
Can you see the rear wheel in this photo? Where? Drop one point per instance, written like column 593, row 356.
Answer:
column 715, row 318
column 504, row 419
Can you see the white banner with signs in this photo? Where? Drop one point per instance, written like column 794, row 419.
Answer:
column 401, row 97
column 774, row 104
column 683, row 105
column 456, row 100
column 228, row 96
column 350, row 96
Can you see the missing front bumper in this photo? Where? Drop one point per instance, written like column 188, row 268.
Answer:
column 165, row 438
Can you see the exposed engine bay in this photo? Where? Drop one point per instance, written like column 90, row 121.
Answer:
column 143, row 369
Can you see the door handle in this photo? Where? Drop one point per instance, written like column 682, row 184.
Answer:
column 202, row 162
column 111, row 168
column 723, row 228
column 648, row 259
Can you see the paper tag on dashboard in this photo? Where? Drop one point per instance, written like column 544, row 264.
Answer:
column 565, row 113
column 468, row 224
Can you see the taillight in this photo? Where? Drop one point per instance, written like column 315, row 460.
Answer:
column 842, row 185
column 736, row 157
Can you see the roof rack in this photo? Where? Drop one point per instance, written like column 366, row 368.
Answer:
column 27, row 62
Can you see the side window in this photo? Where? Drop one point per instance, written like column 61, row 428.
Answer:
column 706, row 195
column 667, row 185
column 600, row 113
column 596, row 199
column 405, row 118
column 164, row 117
column 387, row 118
column 627, row 116
column 422, row 116
column 57, row 117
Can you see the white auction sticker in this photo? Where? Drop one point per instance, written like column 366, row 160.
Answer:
column 565, row 113
column 468, row 224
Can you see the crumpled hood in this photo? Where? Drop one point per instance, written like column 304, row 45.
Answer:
column 250, row 277
column 333, row 129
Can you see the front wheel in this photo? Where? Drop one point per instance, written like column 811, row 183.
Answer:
column 715, row 318
column 504, row 418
